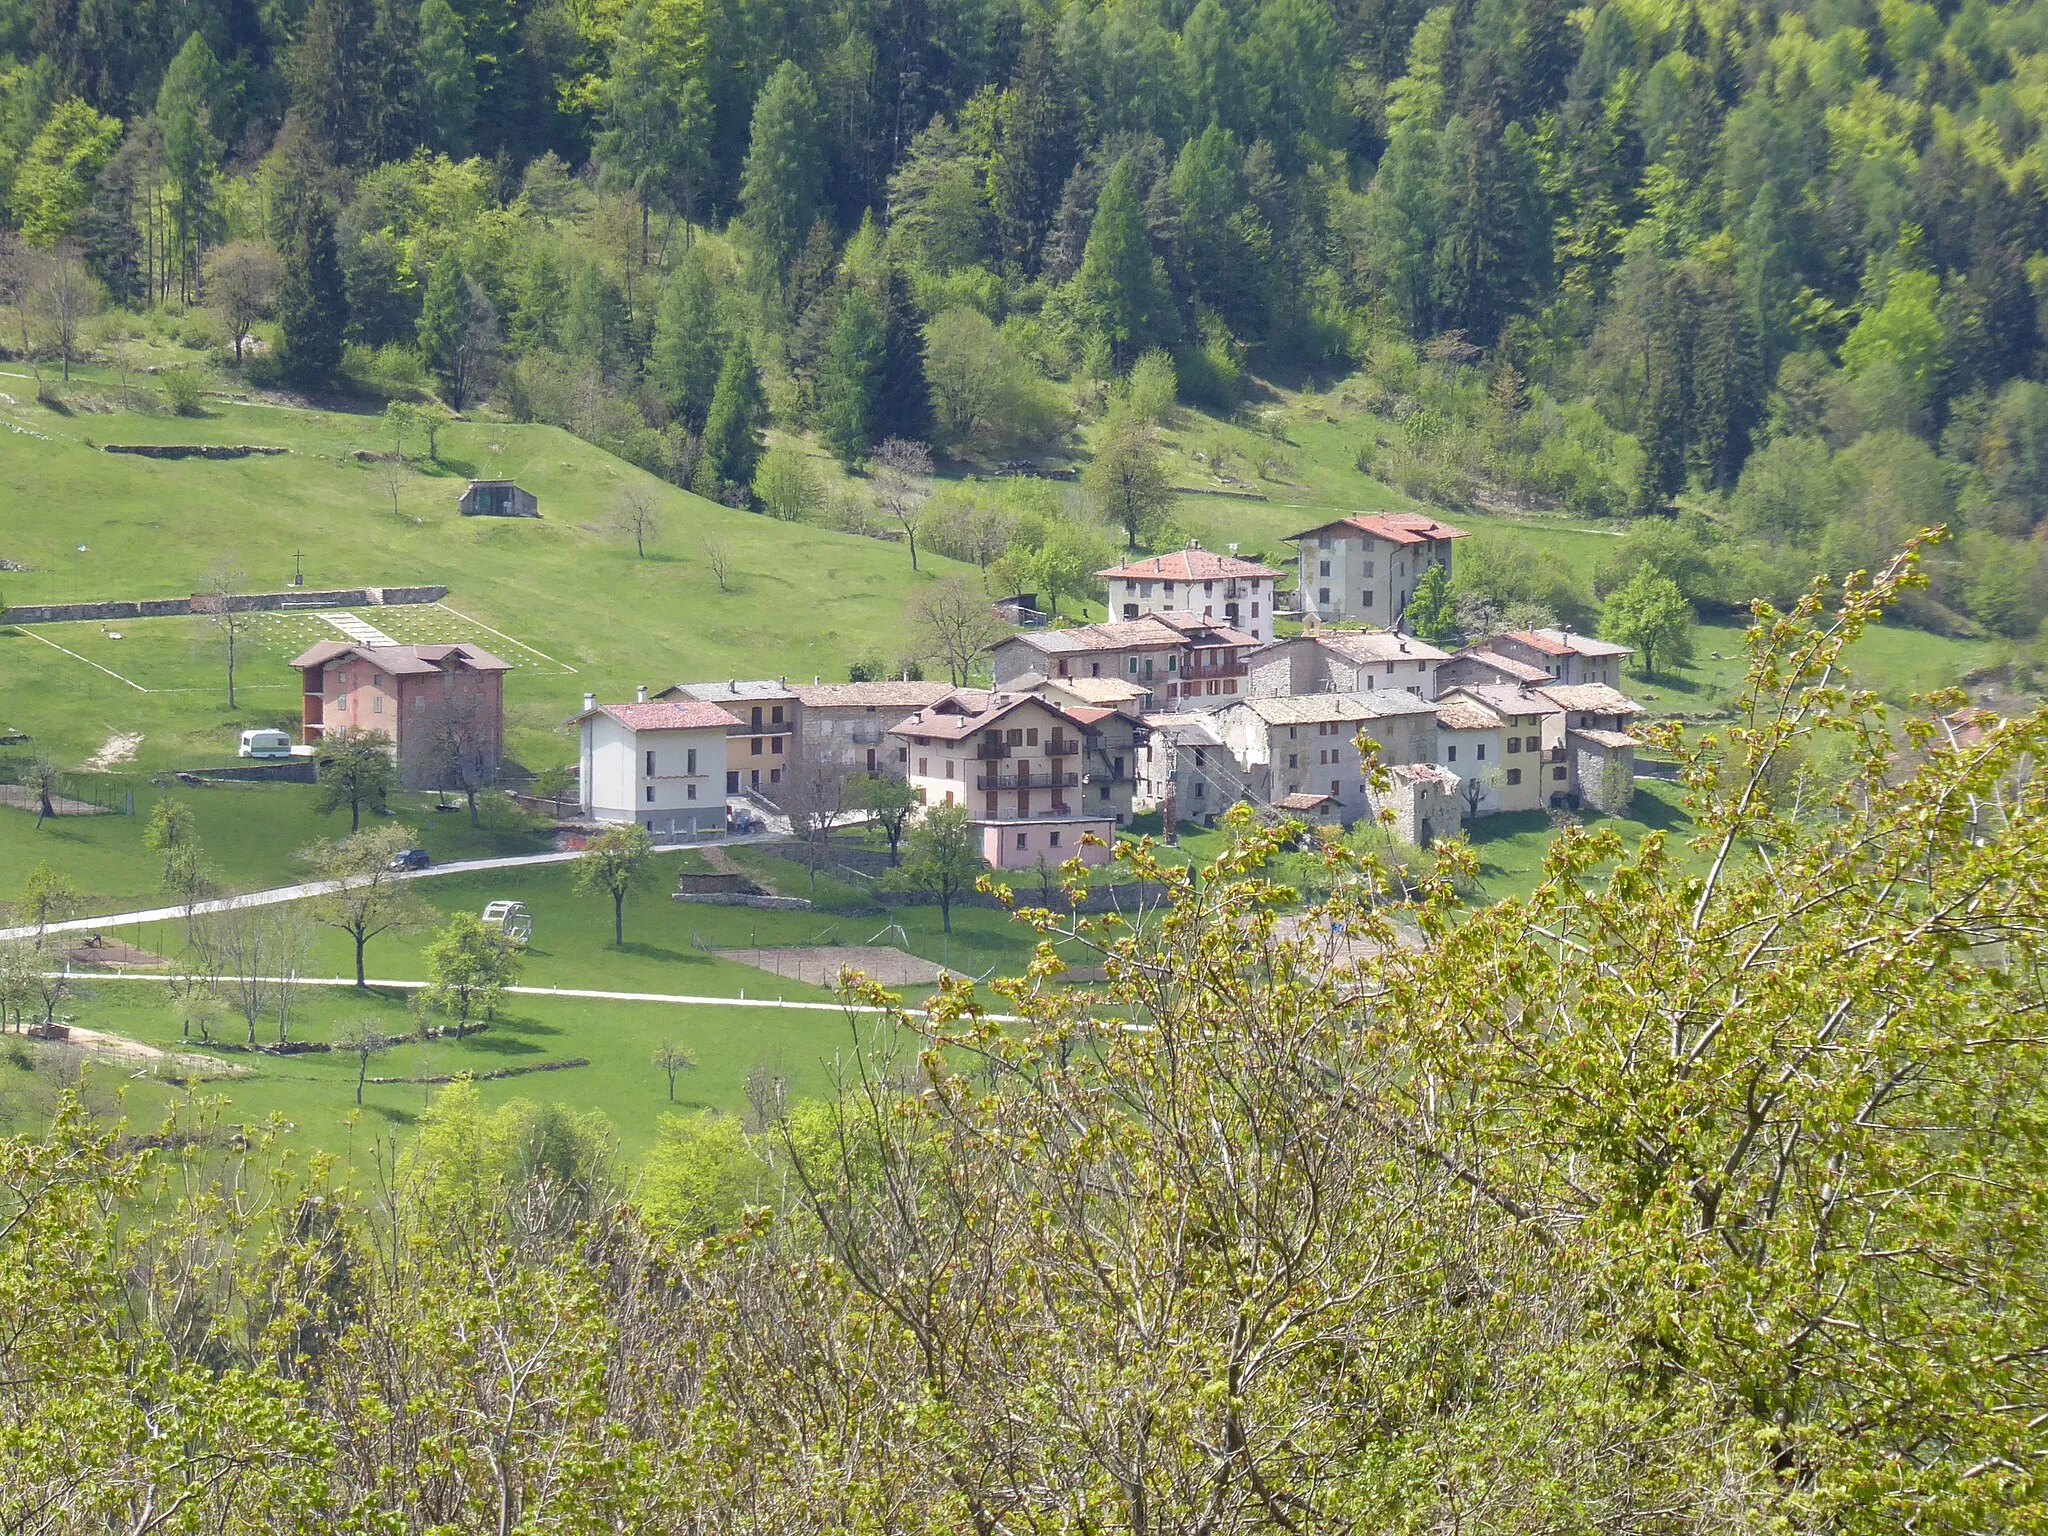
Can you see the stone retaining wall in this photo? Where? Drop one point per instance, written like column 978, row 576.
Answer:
column 181, row 607
column 764, row 903
column 192, row 450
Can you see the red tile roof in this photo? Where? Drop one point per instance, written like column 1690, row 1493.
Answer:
column 690, row 715
column 401, row 660
column 1394, row 527
column 1188, row 565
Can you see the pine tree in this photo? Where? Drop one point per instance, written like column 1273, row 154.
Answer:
column 1121, row 287
column 312, row 309
column 1036, row 151
column 849, row 382
column 782, row 185
column 447, row 78
column 685, row 364
column 732, row 444
column 184, row 106
column 903, row 402
column 594, row 319
column 653, row 120
column 444, row 320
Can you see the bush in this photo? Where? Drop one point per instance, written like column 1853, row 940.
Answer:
column 182, row 392
column 786, row 483
column 1153, row 388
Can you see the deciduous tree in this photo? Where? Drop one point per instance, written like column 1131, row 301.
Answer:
column 610, row 865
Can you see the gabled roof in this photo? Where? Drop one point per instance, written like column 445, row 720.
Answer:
column 1316, row 708
column 1191, row 564
column 1096, row 690
column 748, row 690
column 1151, row 631
column 1300, row 801
column 885, row 694
column 1465, row 715
column 402, row 660
column 1425, row 773
column 1201, row 631
column 967, row 710
column 1590, row 699
column 1504, row 698
column 1562, row 642
column 664, row 715
column 1188, row 730
column 1506, row 666
column 1394, row 527
column 1376, row 645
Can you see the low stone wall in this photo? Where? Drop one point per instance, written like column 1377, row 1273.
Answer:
column 717, row 883
column 763, row 903
column 181, row 607
column 304, row 771
column 193, row 450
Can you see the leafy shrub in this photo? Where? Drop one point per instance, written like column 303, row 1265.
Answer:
column 182, row 392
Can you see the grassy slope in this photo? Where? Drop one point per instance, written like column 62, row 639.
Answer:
column 805, row 600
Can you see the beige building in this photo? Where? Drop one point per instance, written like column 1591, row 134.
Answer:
column 1562, row 656
column 1180, row 660
column 1345, row 661
column 1220, row 588
column 1535, row 772
column 843, row 728
column 1471, row 742
column 763, row 743
column 1307, row 745
column 1365, row 568
column 1012, row 759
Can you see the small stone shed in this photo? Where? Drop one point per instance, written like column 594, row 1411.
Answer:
column 498, row 498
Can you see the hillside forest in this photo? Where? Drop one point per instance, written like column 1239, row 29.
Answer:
column 1768, row 279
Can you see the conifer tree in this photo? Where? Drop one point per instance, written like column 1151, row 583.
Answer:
column 782, row 185
column 447, row 78
column 184, row 107
column 685, row 363
column 312, row 307
column 732, row 444
column 1122, row 292
column 444, row 315
column 849, row 382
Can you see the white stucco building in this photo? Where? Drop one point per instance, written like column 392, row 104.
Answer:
column 660, row 764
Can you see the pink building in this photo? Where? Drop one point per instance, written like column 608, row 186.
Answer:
column 442, row 707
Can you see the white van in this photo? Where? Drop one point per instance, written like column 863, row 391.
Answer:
column 265, row 744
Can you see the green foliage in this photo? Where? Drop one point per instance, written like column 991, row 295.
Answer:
column 55, row 178
column 684, row 365
column 787, row 486
column 468, row 967
column 1128, row 481
column 611, row 864
column 1650, row 615
column 1121, row 292
column 355, row 771
column 312, row 305
column 983, row 393
column 732, row 442
column 447, row 77
column 940, row 858
column 850, row 380
column 1153, row 388
column 782, row 184
column 1432, row 612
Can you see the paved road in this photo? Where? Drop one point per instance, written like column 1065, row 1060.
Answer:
column 282, row 893
column 683, row 999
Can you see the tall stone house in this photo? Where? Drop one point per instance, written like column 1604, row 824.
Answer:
column 1363, row 569
column 1199, row 583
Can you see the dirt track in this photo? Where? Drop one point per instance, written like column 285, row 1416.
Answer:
column 821, row 966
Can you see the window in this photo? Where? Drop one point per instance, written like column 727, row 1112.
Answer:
column 1533, row 744
column 650, row 794
column 1365, row 599
column 1031, row 736
column 1335, row 790
column 691, row 763
column 1201, row 759
column 1199, row 787
column 1557, row 772
column 1293, row 761
column 1514, row 744
column 419, row 702
column 757, row 717
column 1480, row 753
column 1451, row 753
column 650, row 765
column 376, row 703
column 777, row 716
column 1323, row 542
column 1134, row 666
column 1323, row 568
column 774, row 775
column 754, row 747
column 924, row 767
column 1016, row 738
column 1023, row 839
column 1514, row 775
column 1368, row 570
column 689, row 791
column 1104, row 795
column 1173, row 663
column 1322, row 594
column 949, row 768
column 1052, row 839
column 1255, row 610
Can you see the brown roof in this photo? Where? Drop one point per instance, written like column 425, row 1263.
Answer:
column 1503, row 699
column 1506, row 666
column 885, row 694
column 967, row 710
column 402, row 660
column 1117, row 635
column 1465, row 715
column 1188, row 565
column 1376, row 645
column 1201, row 631
column 1590, row 699
column 1394, row 527
column 1562, row 642
column 663, row 716
column 1302, row 802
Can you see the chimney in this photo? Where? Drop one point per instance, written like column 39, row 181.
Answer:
column 1194, row 543
column 589, row 702
column 640, row 694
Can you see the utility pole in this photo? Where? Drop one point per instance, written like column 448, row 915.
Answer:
column 1169, row 805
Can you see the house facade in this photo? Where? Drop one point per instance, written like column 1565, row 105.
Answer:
column 1345, row 661
column 1183, row 756
column 1477, row 664
column 1220, row 588
column 1180, row 660
column 843, row 728
column 1364, row 569
column 1562, row 656
column 497, row 498
column 1471, row 742
column 440, row 707
column 1308, row 745
column 1536, row 768
column 764, row 733
column 660, row 764
column 1013, row 761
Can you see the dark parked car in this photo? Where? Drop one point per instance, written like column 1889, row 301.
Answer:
column 411, row 858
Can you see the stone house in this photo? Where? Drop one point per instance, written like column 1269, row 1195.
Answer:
column 1285, row 746
column 1345, row 661
column 497, row 498
column 441, row 707
column 1183, row 753
column 1422, row 801
column 1175, row 657
column 660, row 764
column 1220, row 588
column 1365, row 568
column 1562, row 656
column 843, row 728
